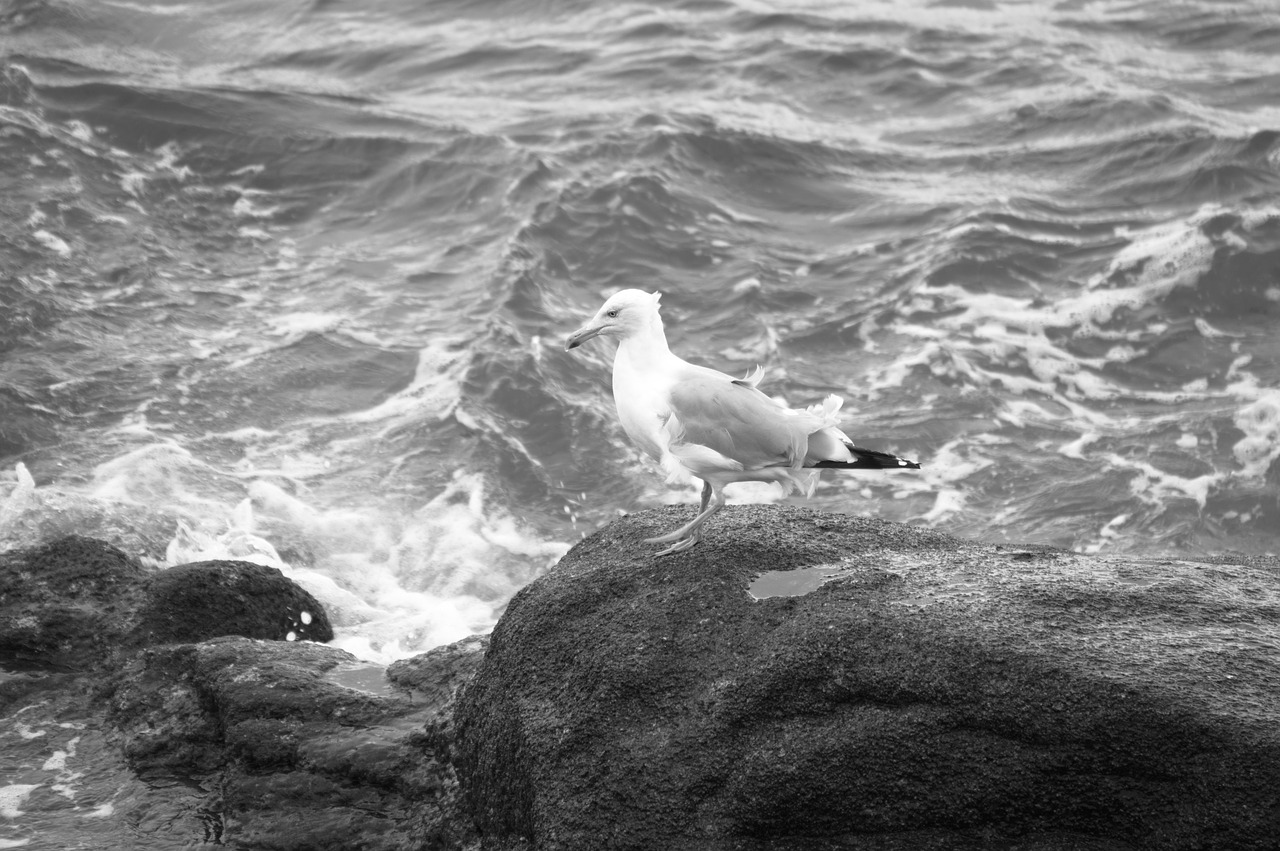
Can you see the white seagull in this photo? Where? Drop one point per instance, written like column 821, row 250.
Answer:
column 699, row 421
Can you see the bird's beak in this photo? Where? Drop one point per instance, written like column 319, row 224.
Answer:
column 577, row 338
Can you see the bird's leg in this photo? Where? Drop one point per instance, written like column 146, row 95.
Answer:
column 681, row 545
column 690, row 533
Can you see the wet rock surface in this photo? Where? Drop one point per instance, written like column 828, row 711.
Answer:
column 66, row 605
column 292, row 758
column 212, row 730
column 192, row 602
column 797, row 681
column 69, row 604
column 925, row 693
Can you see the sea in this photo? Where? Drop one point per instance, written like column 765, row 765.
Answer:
column 289, row 280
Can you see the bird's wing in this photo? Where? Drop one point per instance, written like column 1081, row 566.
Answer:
column 711, row 411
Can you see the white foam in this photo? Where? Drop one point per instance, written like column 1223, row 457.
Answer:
column 1260, row 422
column 133, row 182
column 13, row 796
column 1208, row 331
column 80, row 130
column 394, row 579
column 191, row 545
column 19, row 499
column 434, row 390
column 1108, row 533
column 26, row 733
column 393, row 585
column 957, row 460
column 748, row 493
column 167, row 162
column 950, row 501
column 1156, row 487
column 52, row 242
column 65, row 782
column 1021, row 346
column 1075, row 449
column 154, row 474
column 246, row 206
column 295, row 326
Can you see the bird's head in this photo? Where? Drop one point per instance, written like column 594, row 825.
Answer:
column 624, row 315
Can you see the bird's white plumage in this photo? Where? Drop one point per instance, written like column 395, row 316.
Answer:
column 701, row 422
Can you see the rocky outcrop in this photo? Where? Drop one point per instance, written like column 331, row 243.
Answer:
column 66, row 605
column 193, row 688
column 304, row 754
column 798, row 680
column 71, row 603
column 192, row 602
column 923, row 693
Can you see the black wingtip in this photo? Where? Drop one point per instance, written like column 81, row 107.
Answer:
column 869, row 459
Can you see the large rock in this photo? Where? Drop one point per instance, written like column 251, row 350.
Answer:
column 152, row 683
column 205, row 599
column 926, row 693
column 67, row 604
column 304, row 748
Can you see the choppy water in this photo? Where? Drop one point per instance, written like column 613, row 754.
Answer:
column 293, row 278
column 290, row 280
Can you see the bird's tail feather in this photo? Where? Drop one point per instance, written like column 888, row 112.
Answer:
column 868, row 459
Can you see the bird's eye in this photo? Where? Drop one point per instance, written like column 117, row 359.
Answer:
column 612, row 313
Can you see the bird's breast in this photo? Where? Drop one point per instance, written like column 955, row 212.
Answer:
column 643, row 407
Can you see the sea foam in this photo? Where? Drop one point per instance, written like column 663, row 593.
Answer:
column 394, row 581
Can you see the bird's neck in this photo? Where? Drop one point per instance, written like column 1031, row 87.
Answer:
column 647, row 346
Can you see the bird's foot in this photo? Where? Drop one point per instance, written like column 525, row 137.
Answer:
column 684, row 538
column 679, row 546
column 682, row 532
column 689, row 534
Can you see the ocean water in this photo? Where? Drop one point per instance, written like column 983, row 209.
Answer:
column 290, row 280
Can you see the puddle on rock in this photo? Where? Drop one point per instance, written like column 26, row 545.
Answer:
column 370, row 679
column 794, row 583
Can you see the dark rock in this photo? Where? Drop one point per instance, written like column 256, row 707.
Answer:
column 435, row 679
column 436, row 676
column 69, row 604
column 178, row 706
column 301, row 761
column 228, row 741
column 192, row 602
column 928, row 694
column 66, row 605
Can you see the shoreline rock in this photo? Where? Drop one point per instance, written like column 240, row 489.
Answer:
column 198, row 693
column 300, row 759
column 797, row 681
column 192, row 602
column 66, row 605
column 928, row 693
column 72, row 603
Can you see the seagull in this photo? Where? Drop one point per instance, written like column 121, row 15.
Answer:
column 696, row 421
